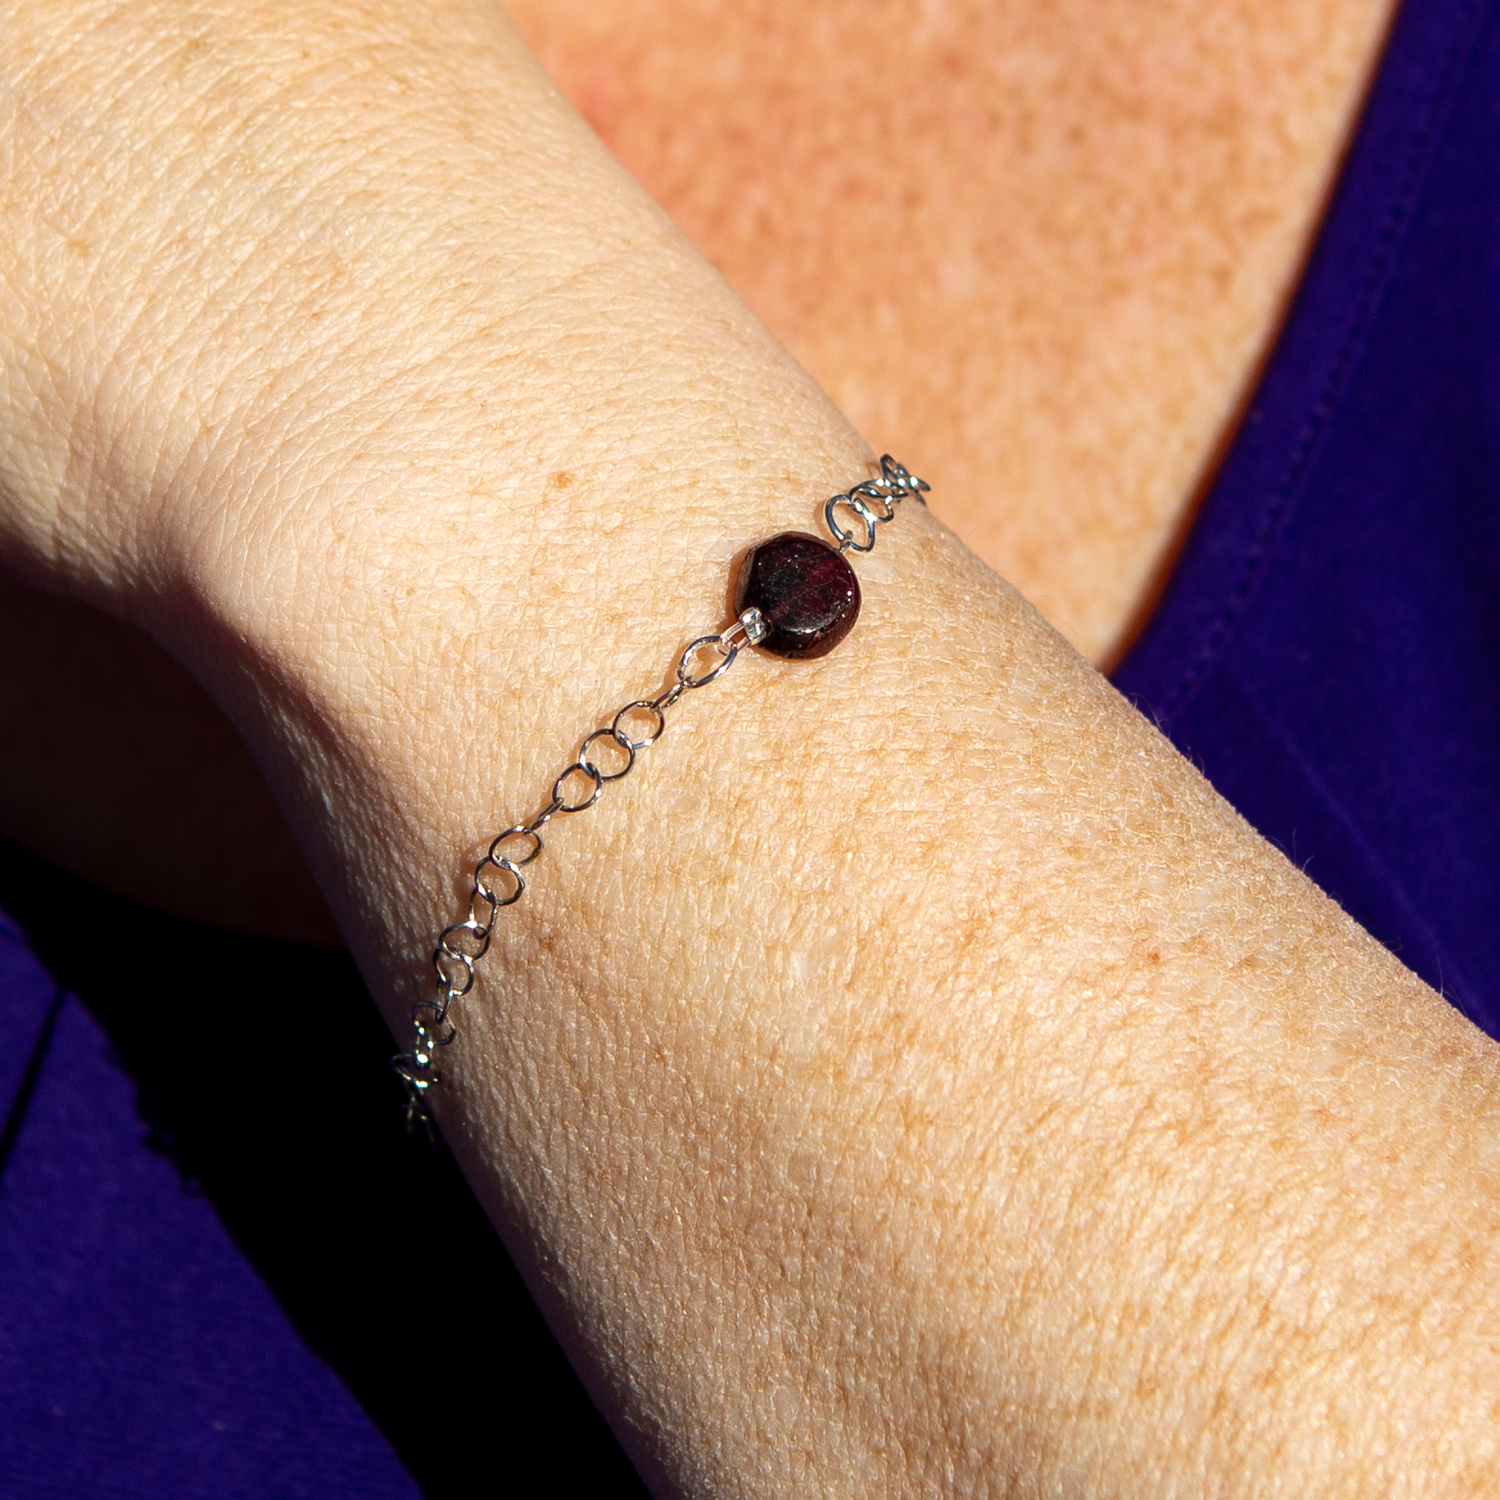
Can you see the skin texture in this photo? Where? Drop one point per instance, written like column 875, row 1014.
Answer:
column 1046, row 278
column 1040, row 249
column 914, row 1080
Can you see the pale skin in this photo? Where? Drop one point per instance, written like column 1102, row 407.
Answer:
column 1047, row 275
column 914, row 1080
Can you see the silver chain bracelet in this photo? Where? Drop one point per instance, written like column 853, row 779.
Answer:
column 796, row 596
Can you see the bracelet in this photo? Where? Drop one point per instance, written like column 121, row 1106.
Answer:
column 796, row 596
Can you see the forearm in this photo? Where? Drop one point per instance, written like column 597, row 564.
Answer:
column 913, row 1079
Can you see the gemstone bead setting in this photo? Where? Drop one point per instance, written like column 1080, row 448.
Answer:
column 806, row 593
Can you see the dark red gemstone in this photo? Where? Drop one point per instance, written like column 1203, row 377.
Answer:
column 804, row 589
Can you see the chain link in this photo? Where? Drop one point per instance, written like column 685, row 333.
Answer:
column 498, row 881
column 894, row 485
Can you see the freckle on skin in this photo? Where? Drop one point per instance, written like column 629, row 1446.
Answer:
column 561, row 480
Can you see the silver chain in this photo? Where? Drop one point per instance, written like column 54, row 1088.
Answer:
column 498, row 878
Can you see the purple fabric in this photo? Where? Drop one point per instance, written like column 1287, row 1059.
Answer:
column 223, row 1275
column 140, row 1355
column 1328, row 650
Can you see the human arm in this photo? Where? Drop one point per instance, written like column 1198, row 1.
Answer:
column 914, row 1077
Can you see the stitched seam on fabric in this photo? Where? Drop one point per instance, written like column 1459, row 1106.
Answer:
column 15, row 1116
column 1366, row 306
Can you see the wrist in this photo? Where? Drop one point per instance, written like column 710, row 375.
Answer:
column 229, row 241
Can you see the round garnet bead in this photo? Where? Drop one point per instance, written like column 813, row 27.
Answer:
column 806, row 592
